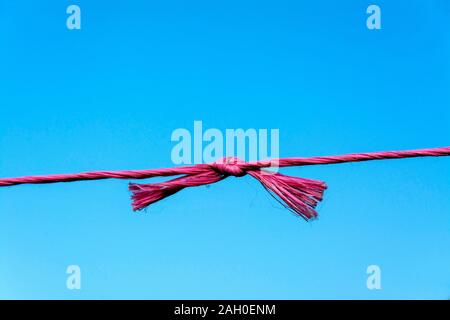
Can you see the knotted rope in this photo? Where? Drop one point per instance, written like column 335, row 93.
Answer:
column 297, row 194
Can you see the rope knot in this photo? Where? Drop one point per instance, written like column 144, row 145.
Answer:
column 229, row 166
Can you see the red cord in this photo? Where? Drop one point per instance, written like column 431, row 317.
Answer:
column 298, row 194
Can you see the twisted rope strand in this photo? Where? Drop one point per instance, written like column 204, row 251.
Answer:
column 246, row 166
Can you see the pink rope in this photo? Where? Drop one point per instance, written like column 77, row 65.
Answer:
column 297, row 194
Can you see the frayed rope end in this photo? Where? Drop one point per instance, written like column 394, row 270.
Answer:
column 299, row 195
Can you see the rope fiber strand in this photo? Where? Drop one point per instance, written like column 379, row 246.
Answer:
column 297, row 194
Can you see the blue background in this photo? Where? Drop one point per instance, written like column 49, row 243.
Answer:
column 108, row 96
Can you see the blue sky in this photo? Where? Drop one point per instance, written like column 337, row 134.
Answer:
column 108, row 96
